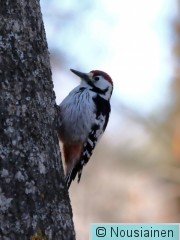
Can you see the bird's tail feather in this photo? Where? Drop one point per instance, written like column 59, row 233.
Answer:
column 71, row 175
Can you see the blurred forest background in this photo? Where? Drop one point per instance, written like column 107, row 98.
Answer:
column 134, row 174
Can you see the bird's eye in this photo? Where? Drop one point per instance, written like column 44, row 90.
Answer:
column 96, row 78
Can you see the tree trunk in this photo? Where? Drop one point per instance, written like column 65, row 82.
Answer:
column 34, row 202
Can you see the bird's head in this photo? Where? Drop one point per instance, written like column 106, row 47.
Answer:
column 98, row 81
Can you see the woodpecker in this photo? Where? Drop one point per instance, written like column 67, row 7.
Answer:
column 84, row 115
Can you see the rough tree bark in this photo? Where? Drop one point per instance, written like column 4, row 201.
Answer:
column 34, row 203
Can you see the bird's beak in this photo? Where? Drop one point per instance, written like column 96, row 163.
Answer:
column 83, row 76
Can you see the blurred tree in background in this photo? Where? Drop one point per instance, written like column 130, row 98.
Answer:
column 175, row 92
column 175, row 111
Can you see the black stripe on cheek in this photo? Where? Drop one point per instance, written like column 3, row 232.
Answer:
column 100, row 91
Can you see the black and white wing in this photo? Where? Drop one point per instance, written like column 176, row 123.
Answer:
column 103, row 112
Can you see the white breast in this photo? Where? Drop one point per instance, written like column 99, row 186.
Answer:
column 77, row 113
